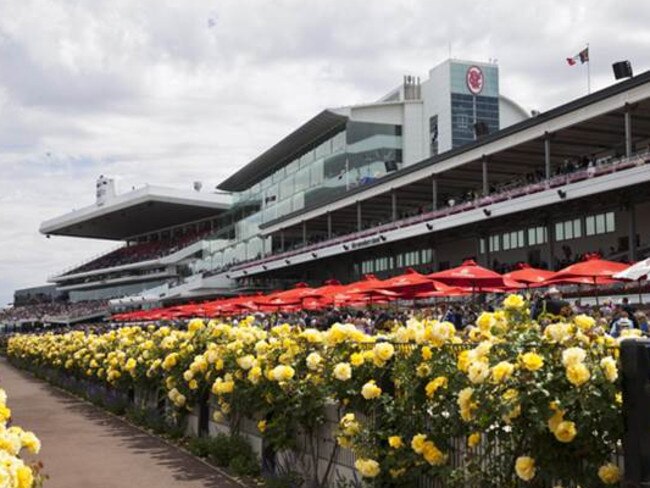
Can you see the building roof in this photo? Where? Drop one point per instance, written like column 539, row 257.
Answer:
column 137, row 212
column 318, row 128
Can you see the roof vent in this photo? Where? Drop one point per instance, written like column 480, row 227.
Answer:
column 412, row 89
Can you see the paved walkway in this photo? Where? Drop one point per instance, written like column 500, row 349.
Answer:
column 85, row 447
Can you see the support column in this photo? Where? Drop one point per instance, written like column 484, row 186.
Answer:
column 434, row 192
column 631, row 219
column 281, row 241
column 547, row 155
column 329, row 225
column 304, row 233
column 550, row 245
column 488, row 255
column 359, row 224
column 628, row 131
column 393, row 203
column 486, row 185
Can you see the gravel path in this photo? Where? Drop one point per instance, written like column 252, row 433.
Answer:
column 85, row 447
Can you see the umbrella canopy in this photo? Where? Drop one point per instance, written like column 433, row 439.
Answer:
column 369, row 282
column 471, row 275
column 584, row 280
column 592, row 267
column 450, row 292
column 529, row 276
column 412, row 282
column 635, row 272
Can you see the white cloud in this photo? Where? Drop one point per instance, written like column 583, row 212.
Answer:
column 170, row 92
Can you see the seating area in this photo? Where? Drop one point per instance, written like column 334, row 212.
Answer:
column 42, row 312
column 143, row 251
column 566, row 174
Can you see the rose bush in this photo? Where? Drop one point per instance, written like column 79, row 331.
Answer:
column 504, row 403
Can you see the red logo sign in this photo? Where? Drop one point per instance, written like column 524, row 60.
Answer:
column 475, row 80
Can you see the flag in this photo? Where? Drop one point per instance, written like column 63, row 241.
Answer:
column 582, row 56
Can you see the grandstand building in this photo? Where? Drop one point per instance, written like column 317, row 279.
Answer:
column 433, row 173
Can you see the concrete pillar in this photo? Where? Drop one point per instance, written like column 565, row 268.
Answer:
column 628, row 131
column 359, row 223
column 550, row 245
column 488, row 255
column 329, row 225
column 547, row 155
column 434, row 192
column 281, row 241
column 393, row 203
column 486, row 184
column 304, row 233
column 631, row 219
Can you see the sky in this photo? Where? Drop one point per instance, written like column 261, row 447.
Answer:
column 170, row 92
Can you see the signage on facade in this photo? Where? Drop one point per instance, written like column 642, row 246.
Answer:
column 475, row 80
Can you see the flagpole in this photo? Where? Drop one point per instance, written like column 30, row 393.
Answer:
column 588, row 71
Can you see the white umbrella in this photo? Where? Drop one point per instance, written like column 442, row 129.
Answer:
column 636, row 271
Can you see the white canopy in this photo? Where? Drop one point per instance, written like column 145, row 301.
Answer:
column 636, row 271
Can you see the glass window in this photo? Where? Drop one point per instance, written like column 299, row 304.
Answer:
column 494, row 243
column 481, row 246
column 338, row 142
column 577, row 228
column 506, row 242
column 286, row 187
column 590, row 225
column 292, row 167
column 610, row 222
column 600, row 224
column 541, row 235
column 559, row 231
column 568, row 229
column 306, row 159
column 298, row 201
column 316, row 173
column 302, row 179
column 520, row 238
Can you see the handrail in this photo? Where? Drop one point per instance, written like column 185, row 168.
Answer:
column 614, row 165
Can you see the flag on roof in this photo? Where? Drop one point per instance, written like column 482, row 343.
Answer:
column 582, row 56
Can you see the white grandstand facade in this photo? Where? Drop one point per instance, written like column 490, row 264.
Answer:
column 434, row 172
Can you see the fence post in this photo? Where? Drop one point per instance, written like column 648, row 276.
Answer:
column 635, row 358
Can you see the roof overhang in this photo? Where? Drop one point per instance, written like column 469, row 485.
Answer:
column 312, row 132
column 138, row 212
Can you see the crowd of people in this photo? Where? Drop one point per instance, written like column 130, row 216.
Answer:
column 42, row 312
column 142, row 251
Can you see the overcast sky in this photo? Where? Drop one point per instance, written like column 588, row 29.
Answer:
column 169, row 92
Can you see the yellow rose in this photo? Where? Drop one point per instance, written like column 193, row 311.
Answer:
column 417, row 443
column 426, row 353
column 478, row 372
column 282, row 373
column 578, row 374
column 342, row 371
column 423, row 370
column 24, row 477
column 573, row 355
column 610, row 370
column 525, row 468
column 261, row 426
column 532, row 361
column 370, row 390
column 609, row 474
column 502, row 371
column 314, row 361
column 434, row 385
column 432, row 454
column 584, row 322
column 356, row 359
column 474, row 439
column 514, row 302
column 485, row 321
column 384, row 351
column 369, row 468
column 395, row 442
column 565, row 431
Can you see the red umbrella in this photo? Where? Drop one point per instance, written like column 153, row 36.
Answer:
column 413, row 282
column 529, row 276
column 595, row 270
column 451, row 292
column 591, row 267
column 369, row 282
column 471, row 275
